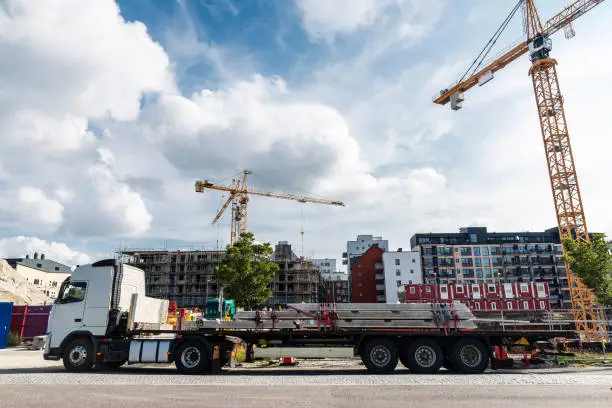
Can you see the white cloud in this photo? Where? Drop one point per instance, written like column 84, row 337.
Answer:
column 324, row 18
column 69, row 62
column 57, row 251
column 29, row 206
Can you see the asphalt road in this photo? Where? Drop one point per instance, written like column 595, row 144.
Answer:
column 123, row 396
column 28, row 381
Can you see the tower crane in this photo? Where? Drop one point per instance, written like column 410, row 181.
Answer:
column 239, row 198
column 549, row 102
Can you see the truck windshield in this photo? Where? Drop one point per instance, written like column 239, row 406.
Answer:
column 71, row 292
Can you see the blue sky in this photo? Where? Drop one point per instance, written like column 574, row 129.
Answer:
column 331, row 98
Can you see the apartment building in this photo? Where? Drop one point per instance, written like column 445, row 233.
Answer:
column 297, row 280
column 400, row 268
column 47, row 275
column 355, row 249
column 474, row 256
column 368, row 277
column 327, row 266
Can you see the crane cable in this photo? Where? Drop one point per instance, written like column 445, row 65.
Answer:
column 477, row 63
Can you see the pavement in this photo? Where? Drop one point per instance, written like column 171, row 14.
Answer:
column 26, row 380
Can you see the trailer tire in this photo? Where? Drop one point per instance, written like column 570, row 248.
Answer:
column 469, row 356
column 192, row 357
column 78, row 356
column 424, row 356
column 380, row 355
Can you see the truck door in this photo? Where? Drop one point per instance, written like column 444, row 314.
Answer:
column 67, row 312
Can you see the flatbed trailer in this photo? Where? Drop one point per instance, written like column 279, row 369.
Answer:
column 423, row 337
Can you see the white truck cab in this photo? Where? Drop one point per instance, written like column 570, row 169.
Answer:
column 98, row 301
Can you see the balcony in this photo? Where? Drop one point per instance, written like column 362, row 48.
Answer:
column 381, row 298
column 380, row 276
column 380, row 287
column 379, row 266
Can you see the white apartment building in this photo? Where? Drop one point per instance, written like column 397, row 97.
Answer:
column 45, row 274
column 354, row 249
column 326, row 266
column 401, row 268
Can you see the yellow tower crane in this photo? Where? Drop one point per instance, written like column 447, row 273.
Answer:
column 549, row 102
column 239, row 198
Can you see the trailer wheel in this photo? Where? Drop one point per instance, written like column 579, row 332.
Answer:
column 78, row 355
column 380, row 356
column 424, row 356
column 192, row 358
column 469, row 356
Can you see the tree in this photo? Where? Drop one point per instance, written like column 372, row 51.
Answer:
column 247, row 271
column 592, row 262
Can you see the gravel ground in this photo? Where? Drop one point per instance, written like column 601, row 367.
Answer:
column 22, row 366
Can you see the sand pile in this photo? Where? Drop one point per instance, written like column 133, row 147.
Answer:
column 15, row 288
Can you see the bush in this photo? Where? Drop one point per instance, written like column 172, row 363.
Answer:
column 13, row 339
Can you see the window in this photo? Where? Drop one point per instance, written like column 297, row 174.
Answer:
column 412, row 290
column 39, row 265
column 443, row 289
column 476, row 251
column 398, row 283
column 477, row 306
column 479, row 273
column 475, row 289
column 397, row 261
column 485, row 251
column 509, row 304
column 410, row 282
column 72, row 292
column 542, row 305
column 459, row 289
column 491, row 288
column 493, row 306
column 526, row 305
column 486, row 262
column 360, row 294
column 478, row 262
column 427, row 289
column 36, row 281
column 524, row 287
column 487, row 272
column 412, row 271
column 413, row 260
column 398, row 272
column 360, row 284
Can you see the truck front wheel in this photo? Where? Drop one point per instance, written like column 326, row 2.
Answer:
column 192, row 358
column 78, row 355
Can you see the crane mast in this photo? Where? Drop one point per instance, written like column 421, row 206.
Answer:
column 562, row 172
column 239, row 199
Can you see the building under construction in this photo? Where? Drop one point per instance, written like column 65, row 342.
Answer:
column 297, row 280
column 187, row 276
column 183, row 276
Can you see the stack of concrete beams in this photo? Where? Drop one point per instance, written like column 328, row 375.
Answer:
column 352, row 316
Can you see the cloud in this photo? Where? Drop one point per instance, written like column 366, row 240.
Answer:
column 327, row 19
column 69, row 66
column 21, row 246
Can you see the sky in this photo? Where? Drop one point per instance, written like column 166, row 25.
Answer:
column 110, row 111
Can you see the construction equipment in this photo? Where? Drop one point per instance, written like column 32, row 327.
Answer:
column 549, row 101
column 239, row 197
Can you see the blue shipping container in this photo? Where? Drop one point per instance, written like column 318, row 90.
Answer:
column 6, row 310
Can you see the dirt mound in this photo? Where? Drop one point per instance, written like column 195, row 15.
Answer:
column 15, row 288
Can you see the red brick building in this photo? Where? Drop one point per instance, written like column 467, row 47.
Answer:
column 368, row 277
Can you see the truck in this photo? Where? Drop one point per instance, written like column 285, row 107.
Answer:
column 102, row 319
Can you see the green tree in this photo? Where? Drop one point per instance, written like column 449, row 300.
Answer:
column 592, row 262
column 247, row 271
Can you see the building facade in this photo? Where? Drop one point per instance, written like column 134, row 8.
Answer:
column 336, row 288
column 297, row 279
column 327, row 266
column 475, row 256
column 401, row 268
column 182, row 276
column 46, row 275
column 368, row 277
column 354, row 249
